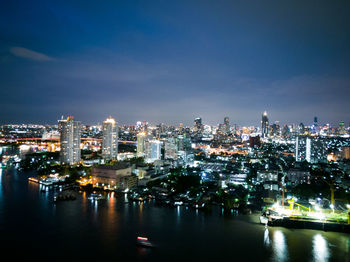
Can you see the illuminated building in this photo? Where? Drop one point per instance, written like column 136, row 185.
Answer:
column 141, row 144
column 198, row 126
column 153, row 150
column 109, row 139
column 264, row 125
column 302, row 149
column 113, row 177
column 227, row 124
column 342, row 130
column 311, row 149
column 171, row 148
column 184, row 142
column 70, row 133
column 345, row 152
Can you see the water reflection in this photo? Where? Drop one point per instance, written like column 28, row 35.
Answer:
column 320, row 248
column 0, row 183
column 267, row 237
column 279, row 245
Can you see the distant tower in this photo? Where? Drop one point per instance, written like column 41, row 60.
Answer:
column 198, row 124
column 70, row 133
column 264, row 125
column 227, row 124
column 110, row 139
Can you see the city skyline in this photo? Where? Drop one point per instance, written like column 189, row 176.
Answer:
column 219, row 122
column 171, row 62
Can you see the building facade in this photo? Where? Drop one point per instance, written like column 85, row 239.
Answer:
column 117, row 177
column 110, row 139
column 70, row 134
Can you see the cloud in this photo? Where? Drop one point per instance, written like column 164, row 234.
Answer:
column 29, row 54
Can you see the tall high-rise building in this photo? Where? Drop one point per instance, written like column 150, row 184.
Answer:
column 153, row 150
column 198, row 127
column 341, row 129
column 110, row 139
column 141, row 144
column 171, row 148
column 264, row 125
column 70, row 133
column 227, row 124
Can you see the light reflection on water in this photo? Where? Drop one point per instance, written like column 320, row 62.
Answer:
column 112, row 225
column 279, row 245
column 266, row 237
column 320, row 248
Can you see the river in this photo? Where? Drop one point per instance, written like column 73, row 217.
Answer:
column 33, row 226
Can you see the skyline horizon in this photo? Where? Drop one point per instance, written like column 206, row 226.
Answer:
column 187, row 124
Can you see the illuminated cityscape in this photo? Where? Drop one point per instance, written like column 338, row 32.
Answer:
column 174, row 131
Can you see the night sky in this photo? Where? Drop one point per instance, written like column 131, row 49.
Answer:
column 172, row 61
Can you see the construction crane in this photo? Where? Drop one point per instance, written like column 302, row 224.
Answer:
column 292, row 203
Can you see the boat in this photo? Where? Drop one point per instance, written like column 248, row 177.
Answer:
column 64, row 196
column 264, row 220
column 95, row 196
column 144, row 242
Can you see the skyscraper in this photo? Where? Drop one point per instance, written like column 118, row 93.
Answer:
column 141, row 144
column 198, row 127
column 110, row 139
column 171, row 146
column 153, row 150
column 227, row 124
column 264, row 125
column 70, row 133
column 303, row 149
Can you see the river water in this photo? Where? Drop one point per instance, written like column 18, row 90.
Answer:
column 33, row 226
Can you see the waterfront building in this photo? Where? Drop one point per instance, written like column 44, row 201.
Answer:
column 110, row 139
column 70, row 134
column 118, row 176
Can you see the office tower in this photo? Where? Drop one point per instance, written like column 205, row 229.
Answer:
column 300, row 148
column 198, row 125
column 181, row 128
column 110, row 139
column 227, row 124
column 275, row 129
column 301, row 129
column 285, row 132
column 264, row 125
column 171, row 148
column 70, row 133
column 141, row 144
column 310, row 149
column 342, row 130
column 153, row 150
column 184, row 142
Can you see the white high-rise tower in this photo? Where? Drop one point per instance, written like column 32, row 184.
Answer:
column 70, row 133
column 110, row 139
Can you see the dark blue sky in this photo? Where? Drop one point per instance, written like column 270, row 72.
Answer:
column 171, row 61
